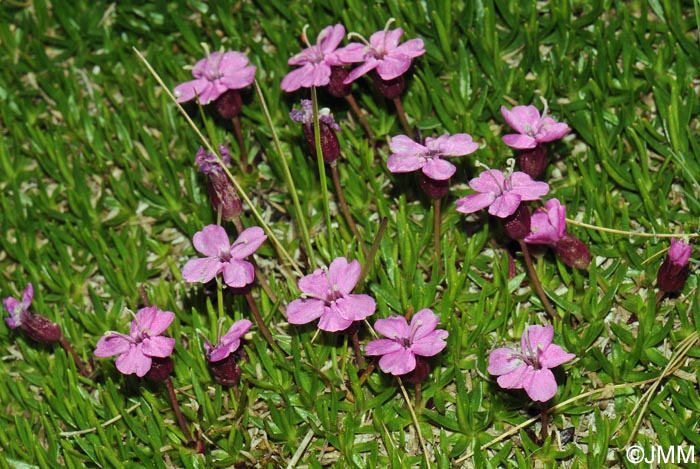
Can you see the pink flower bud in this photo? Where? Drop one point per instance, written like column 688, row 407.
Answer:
column 675, row 270
column 573, row 252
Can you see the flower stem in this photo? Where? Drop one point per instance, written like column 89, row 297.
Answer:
column 544, row 416
column 417, row 387
column 437, row 222
column 535, row 280
column 660, row 296
column 358, row 352
column 343, row 204
column 402, row 116
column 322, row 171
column 360, row 115
column 178, row 413
column 82, row 368
column 259, row 320
column 245, row 165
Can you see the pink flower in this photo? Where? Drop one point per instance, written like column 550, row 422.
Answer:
column 383, row 53
column 326, row 295
column 144, row 342
column 208, row 162
column 500, row 194
column 229, row 342
column 408, row 155
column 18, row 309
column 532, row 129
column 404, row 342
column 531, row 368
column 213, row 242
column 548, row 224
column 214, row 75
column 315, row 61
column 679, row 253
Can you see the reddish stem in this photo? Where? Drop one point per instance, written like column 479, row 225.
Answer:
column 343, row 204
column 360, row 115
column 535, row 281
column 82, row 369
column 402, row 116
column 178, row 413
column 259, row 320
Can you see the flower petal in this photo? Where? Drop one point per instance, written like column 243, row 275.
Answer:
column 540, row 385
column 393, row 66
column 491, row 180
column 475, row 202
column 519, row 141
column 431, row 344
column 354, row 307
column 423, row 323
column 394, row 327
column 398, row 363
column 239, row 79
column 536, row 338
column 238, row 274
column 438, row 169
column 401, row 144
column 134, row 361
column 211, row 241
column 304, row 310
column 504, row 360
column 248, row 242
column 316, row 284
column 356, row 73
column 330, row 37
column 153, row 320
column 454, row 145
column 382, row 347
column 188, row 90
column 528, row 189
column 514, row 379
column 404, row 163
column 344, row 275
column 331, row 321
column 298, row 78
column 201, row 270
column 158, row 346
column 505, row 205
column 553, row 356
column 112, row 344
column 523, row 119
column 352, row 53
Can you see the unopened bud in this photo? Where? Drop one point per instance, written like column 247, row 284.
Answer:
column 160, row 369
column 573, row 252
column 433, row 188
column 40, row 328
column 517, row 225
column 229, row 104
column 390, row 89
column 675, row 270
column 336, row 87
column 533, row 162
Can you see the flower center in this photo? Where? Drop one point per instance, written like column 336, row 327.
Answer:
column 225, row 254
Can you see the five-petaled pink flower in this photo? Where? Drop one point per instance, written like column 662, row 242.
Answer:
column 229, row 342
column 213, row 242
column 548, row 224
column 405, row 341
column 530, row 369
column 18, row 309
column 144, row 342
column 408, row 155
column 500, row 194
column 214, row 75
column 532, row 129
column 326, row 295
column 315, row 61
column 383, row 53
